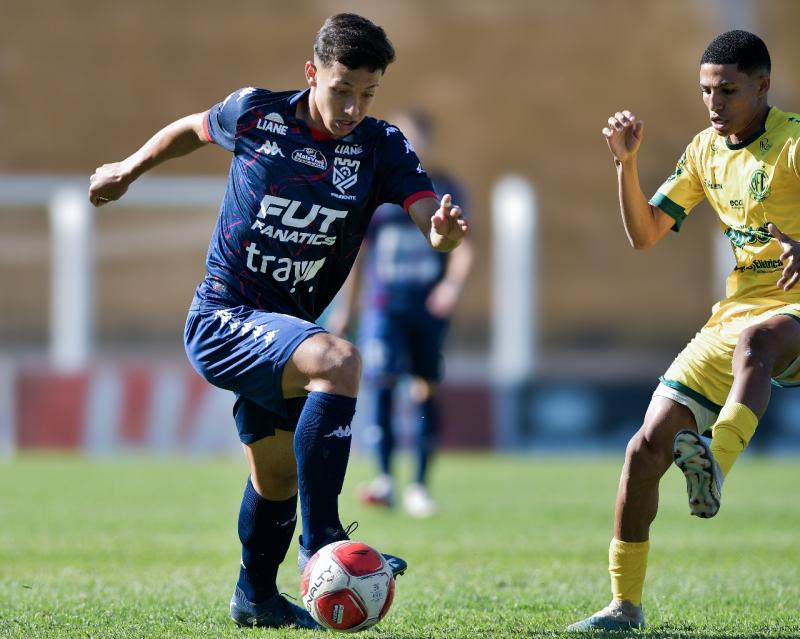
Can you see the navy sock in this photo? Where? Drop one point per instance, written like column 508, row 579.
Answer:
column 322, row 448
column 383, row 422
column 427, row 430
column 266, row 529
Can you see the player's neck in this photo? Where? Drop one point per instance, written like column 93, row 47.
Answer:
column 754, row 128
column 308, row 113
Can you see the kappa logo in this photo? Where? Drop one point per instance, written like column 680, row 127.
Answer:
column 310, row 157
column 240, row 95
column 409, row 148
column 270, row 148
column 273, row 123
column 765, row 145
column 341, row 433
column 345, row 173
column 391, row 130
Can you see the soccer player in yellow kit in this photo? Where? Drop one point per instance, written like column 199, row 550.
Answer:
column 747, row 164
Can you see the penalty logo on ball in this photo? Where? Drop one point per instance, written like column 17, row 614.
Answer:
column 347, row 586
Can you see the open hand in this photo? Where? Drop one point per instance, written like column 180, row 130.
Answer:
column 790, row 256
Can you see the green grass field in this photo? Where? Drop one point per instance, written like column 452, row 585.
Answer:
column 148, row 548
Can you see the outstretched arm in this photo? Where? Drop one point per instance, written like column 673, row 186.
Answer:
column 110, row 181
column 644, row 223
column 440, row 222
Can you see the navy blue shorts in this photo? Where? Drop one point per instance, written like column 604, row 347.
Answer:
column 244, row 350
column 395, row 343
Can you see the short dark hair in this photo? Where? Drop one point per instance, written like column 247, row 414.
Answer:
column 353, row 41
column 742, row 48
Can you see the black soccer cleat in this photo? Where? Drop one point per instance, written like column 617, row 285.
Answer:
column 275, row 612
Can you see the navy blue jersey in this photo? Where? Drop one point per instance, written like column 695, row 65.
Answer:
column 400, row 267
column 298, row 202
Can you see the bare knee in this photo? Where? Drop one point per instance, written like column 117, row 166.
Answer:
column 756, row 348
column 647, row 456
column 330, row 364
column 275, row 484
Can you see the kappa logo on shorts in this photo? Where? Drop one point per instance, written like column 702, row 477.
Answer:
column 268, row 338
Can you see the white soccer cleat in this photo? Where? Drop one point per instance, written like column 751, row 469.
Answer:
column 617, row 616
column 703, row 476
column 418, row 502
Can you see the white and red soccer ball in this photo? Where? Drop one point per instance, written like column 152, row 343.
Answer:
column 347, row 586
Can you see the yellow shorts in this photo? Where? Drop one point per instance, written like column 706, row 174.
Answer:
column 703, row 370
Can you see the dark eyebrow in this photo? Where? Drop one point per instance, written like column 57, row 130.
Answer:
column 350, row 84
column 724, row 83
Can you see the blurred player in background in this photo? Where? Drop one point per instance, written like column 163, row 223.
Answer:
column 747, row 164
column 308, row 170
column 408, row 294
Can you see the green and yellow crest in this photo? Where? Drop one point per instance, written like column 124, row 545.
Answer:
column 759, row 185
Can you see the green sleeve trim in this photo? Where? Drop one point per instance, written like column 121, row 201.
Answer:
column 682, row 388
column 675, row 211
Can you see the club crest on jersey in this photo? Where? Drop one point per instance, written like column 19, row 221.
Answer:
column 310, row 157
column 759, row 185
column 273, row 123
column 345, row 173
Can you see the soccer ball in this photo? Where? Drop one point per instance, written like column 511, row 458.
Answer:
column 347, row 586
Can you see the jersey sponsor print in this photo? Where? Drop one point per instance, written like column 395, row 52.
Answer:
column 297, row 203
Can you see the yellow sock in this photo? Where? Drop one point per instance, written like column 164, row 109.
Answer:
column 627, row 563
column 731, row 434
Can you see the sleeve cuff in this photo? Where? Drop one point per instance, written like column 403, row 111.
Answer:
column 675, row 211
column 206, row 132
column 419, row 195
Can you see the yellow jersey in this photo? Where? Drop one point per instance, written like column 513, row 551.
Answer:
column 749, row 185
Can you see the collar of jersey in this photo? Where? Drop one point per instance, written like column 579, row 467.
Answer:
column 752, row 138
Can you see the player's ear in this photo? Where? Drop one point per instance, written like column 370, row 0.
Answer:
column 311, row 74
column 764, row 85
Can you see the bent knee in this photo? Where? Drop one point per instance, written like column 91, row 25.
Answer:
column 757, row 340
column 334, row 366
column 647, row 454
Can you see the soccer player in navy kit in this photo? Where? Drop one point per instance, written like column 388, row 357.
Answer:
column 408, row 296
column 308, row 169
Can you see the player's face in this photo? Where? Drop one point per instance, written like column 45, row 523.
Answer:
column 735, row 100
column 340, row 96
